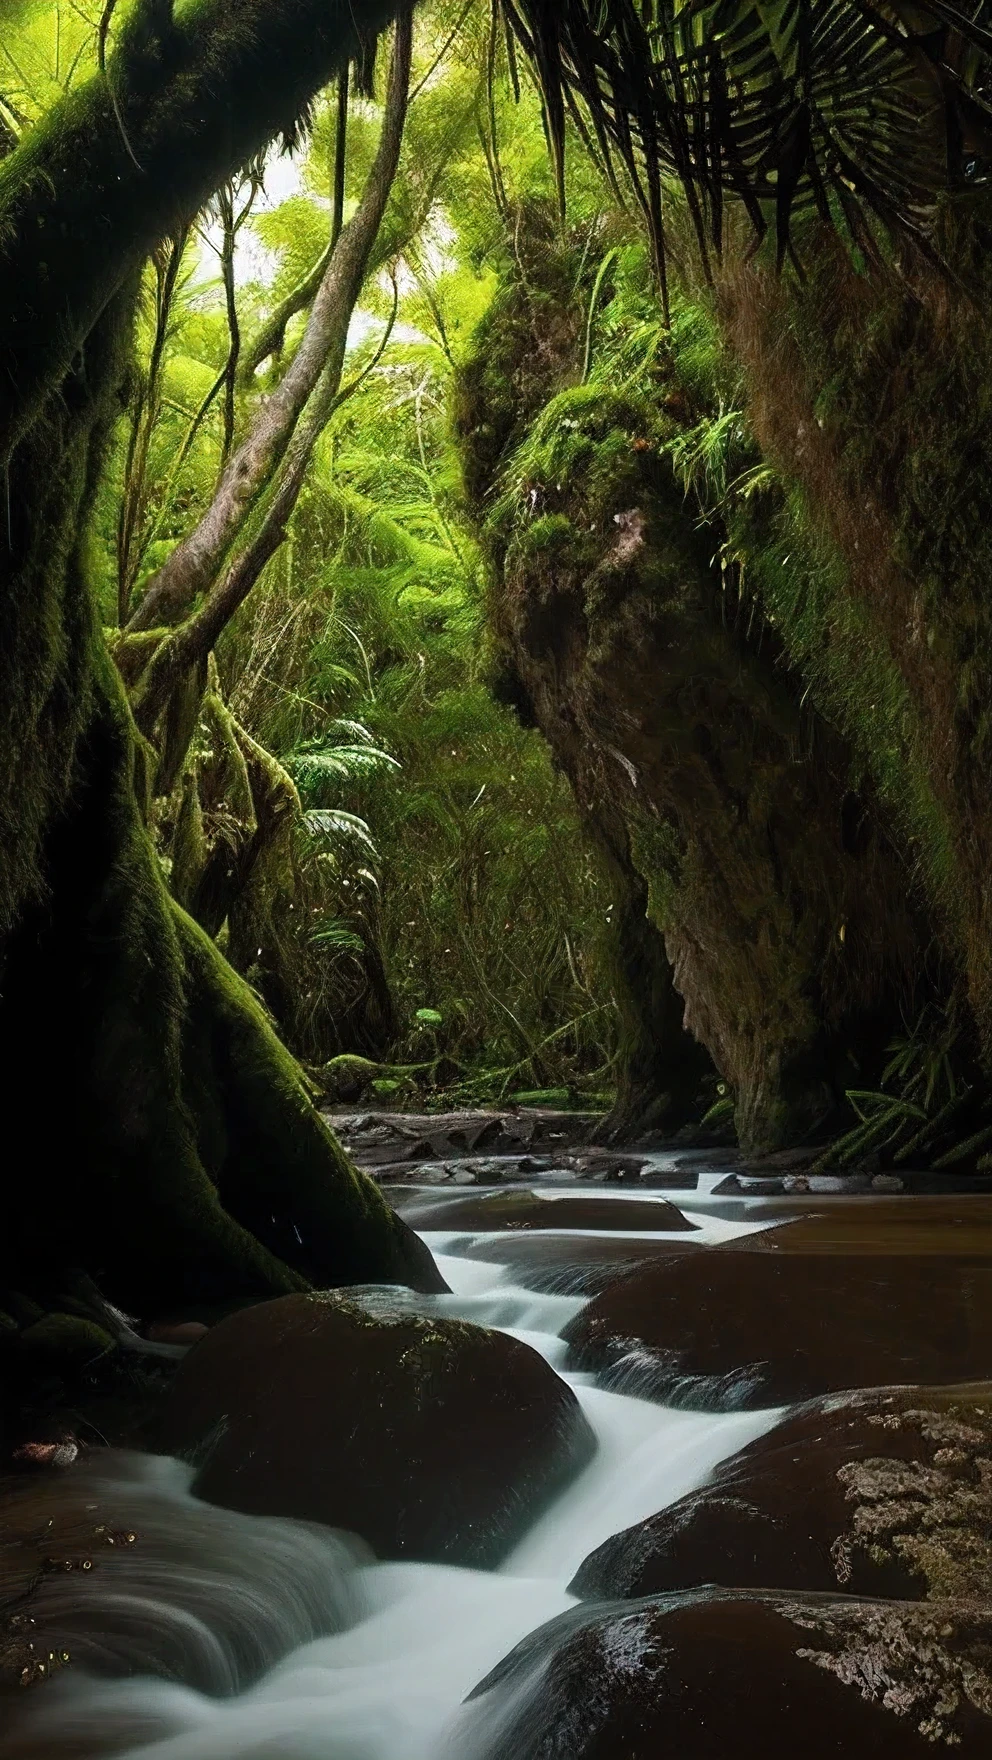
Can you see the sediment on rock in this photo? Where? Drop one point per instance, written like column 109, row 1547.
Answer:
column 716, row 1673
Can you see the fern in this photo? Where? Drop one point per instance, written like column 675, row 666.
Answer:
column 335, row 935
column 339, row 763
column 331, row 824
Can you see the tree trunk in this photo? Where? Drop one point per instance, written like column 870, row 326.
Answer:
column 194, row 564
column 122, row 163
column 177, row 1158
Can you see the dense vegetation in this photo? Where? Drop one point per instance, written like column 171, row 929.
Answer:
column 493, row 621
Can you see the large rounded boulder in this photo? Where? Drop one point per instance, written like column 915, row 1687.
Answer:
column 431, row 1438
column 715, row 1674
column 746, row 1329
column 515, row 1210
column 882, row 1493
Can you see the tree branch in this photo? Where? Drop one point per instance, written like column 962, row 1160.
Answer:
column 191, row 644
column 78, row 216
column 195, row 563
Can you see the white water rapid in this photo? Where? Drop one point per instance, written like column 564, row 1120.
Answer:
column 416, row 1638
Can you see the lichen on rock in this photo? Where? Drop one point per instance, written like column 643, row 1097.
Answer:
column 930, row 1664
column 932, row 1515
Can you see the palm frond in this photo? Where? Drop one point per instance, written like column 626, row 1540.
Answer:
column 863, row 111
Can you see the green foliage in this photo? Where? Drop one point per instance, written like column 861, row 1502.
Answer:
column 790, row 107
column 442, row 910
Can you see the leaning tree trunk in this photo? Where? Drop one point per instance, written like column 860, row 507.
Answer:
column 176, row 1158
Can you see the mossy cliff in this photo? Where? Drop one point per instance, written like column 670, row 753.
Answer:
column 788, row 917
column 871, row 397
column 169, row 1150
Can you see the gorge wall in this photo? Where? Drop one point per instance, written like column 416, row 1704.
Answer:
column 632, row 523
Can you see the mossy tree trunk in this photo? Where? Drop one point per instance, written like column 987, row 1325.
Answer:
column 239, row 876
column 174, row 1154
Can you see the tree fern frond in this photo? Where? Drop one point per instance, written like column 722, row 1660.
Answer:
column 338, row 764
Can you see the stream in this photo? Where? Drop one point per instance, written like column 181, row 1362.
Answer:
column 417, row 1638
column 284, row 1640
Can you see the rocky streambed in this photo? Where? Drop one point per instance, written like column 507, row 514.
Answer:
column 673, row 1467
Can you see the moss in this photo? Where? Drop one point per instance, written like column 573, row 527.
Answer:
column 183, row 1167
column 928, row 1666
column 649, row 661
column 525, row 344
column 932, row 1513
column 64, row 1344
column 348, row 1077
column 189, row 850
column 872, row 398
column 656, row 850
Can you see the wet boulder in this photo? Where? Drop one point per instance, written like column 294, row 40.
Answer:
column 518, row 1210
column 569, row 1264
column 886, row 1493
column 716, row 1674
column 430, row 1438
column 744, row 1329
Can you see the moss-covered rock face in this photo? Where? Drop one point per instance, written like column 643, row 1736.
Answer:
column 431, row 1438
column 788, row 929
column 872, row 397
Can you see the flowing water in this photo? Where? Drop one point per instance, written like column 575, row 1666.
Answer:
column 416, row 1638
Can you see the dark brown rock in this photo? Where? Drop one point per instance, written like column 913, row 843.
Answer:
column 568, row 1264
column 882, row 1493
column 430, row 1438
column 874, row 1224
column 790, row 1314
column 524, row 1210
column 183, row 1332
column 715, row 1675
